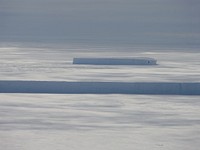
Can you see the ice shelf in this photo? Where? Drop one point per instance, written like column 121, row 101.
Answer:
column 62, row 87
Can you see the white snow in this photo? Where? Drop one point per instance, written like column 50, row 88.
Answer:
column 97, row 121
column 115, row 61
column 43, row 64
column 87, row 122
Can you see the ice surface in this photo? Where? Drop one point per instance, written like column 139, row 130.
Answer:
column 115, row 61
column 87, row 122
column 27, row 63
column 54, row 87
column 98, row 121
column 39, row 39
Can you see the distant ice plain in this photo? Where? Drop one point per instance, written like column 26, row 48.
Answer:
column 113, row 122
column 55, row 64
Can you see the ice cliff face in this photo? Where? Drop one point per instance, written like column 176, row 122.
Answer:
column 55, row 87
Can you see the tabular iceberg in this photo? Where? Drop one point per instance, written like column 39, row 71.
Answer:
column 115, row 61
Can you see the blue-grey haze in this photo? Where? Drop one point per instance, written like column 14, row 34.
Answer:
column 171, row 22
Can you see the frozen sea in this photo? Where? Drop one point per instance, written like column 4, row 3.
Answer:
column 92, row 121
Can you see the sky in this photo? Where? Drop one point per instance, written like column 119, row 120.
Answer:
column 136, row 21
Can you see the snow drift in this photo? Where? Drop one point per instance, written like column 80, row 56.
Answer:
column 115, row 61
column 56, row 87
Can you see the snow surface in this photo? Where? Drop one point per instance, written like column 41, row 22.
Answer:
column 115, row 61
column 55, row 64
column 98, row 121
column 112, row 122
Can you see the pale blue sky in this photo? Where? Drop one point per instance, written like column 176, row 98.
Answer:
column 139, row 21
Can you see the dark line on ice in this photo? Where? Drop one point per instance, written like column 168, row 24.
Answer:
column 61, row 87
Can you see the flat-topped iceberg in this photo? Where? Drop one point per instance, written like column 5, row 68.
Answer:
column 115, row 61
